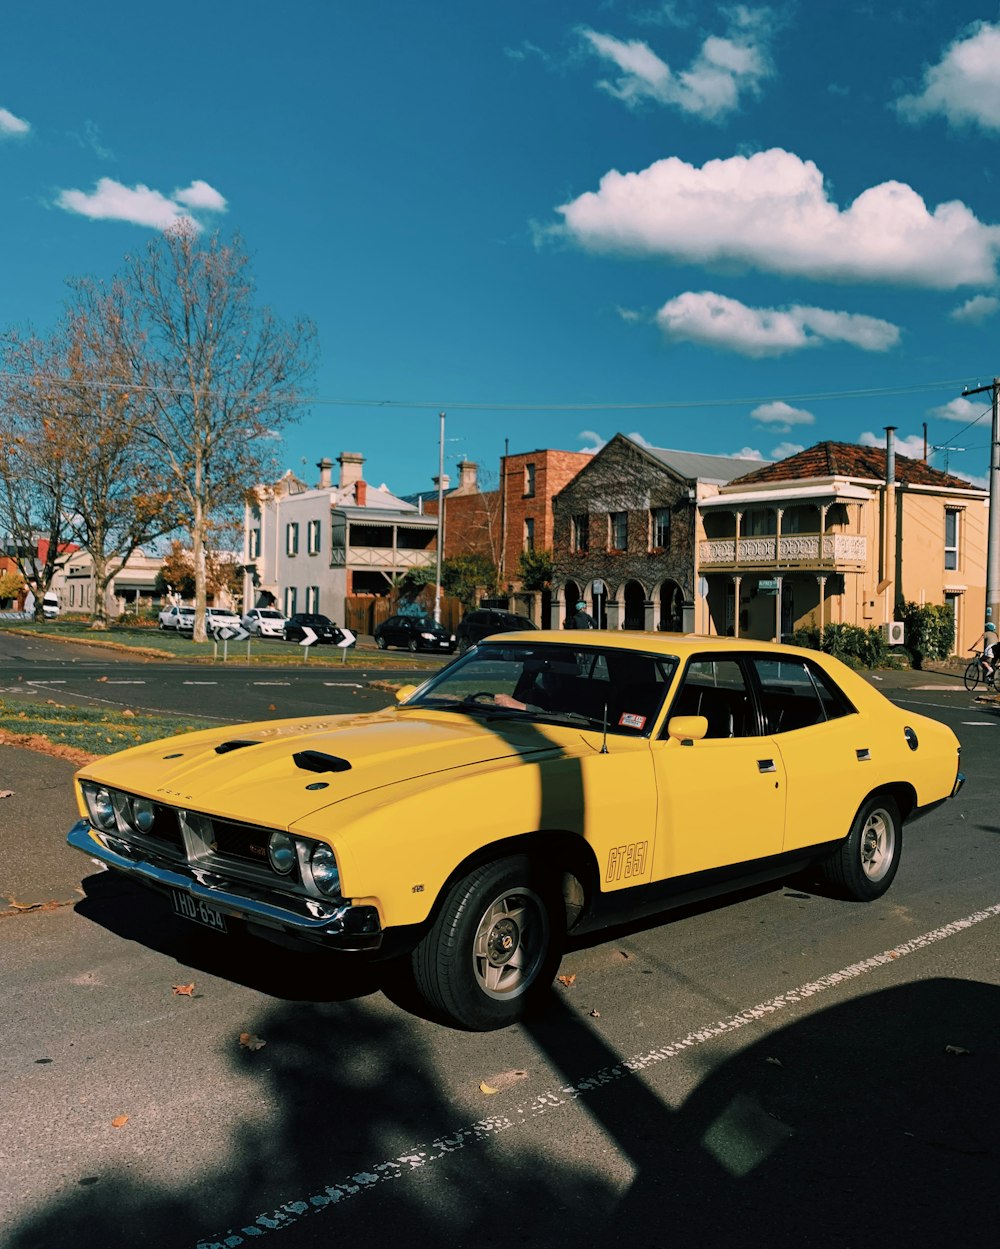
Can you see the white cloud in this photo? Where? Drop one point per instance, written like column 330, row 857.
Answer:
column 141, row 205
column 747, row 453
column 977, row 309
column 725, row 68
column 11, row 126
column 912, row 445
column 963, row 86
column 785, row 449
column 771, row 211
column 782, row 416
column 963, row 410
column 717, row 321
column 590, row 435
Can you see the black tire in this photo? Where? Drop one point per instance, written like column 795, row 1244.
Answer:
column 412, row 645
column 463, row 645
column 972, row 676
column 494, row 947
column 381, row 643
column 865, row 864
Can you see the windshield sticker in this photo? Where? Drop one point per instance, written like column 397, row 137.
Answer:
column 629, row 720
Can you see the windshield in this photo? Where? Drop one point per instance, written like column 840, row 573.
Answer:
column 270, row 615
column 589, row 685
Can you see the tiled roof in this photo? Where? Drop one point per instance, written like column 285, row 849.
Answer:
column 847, row 459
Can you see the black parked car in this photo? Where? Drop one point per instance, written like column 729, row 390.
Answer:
column 324, row 628
column 480, row 624
column 416, row 633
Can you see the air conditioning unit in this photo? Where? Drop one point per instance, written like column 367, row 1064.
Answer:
column 894, row 632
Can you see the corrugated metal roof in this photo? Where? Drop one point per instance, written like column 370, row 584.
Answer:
column 696, row 465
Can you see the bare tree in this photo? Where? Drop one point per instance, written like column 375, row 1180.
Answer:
column 224, row 375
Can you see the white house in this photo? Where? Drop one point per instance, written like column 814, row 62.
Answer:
column 307, row 548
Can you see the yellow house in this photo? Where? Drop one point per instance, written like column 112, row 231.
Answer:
column 841, row 533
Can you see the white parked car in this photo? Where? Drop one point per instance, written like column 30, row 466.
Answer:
column 179, row 618
column 265, row 622
column 50, row 605
column 217, row 618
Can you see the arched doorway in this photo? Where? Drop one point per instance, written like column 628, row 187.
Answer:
column 635, row 606
column 571, row 596
column 671, row 602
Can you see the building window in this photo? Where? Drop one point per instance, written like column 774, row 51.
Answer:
column 581, row 532
column 290, row 596
column 529, row 534
column 951, row 516
column 292, row 539
column 255, row 544
column 661, row 527
column 619, row 530
column 529, row 481
column 312, row 598
column 72, row 596
column 313, row 537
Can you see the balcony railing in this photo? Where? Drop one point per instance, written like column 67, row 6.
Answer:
column 810, row 549
column 382, row 557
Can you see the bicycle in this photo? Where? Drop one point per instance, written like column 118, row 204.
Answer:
column 976, row 672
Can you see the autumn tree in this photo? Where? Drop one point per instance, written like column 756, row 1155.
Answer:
column 465, row 575
column 176, row 574
column 224, row 376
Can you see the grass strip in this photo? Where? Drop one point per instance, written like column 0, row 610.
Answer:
column 92, row 731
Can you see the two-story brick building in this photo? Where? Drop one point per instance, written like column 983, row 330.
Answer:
column 626, row 534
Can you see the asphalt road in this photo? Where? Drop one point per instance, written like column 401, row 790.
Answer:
column 784, row 1069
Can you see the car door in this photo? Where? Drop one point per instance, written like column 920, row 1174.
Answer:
column 827, row 749
column 720, row 799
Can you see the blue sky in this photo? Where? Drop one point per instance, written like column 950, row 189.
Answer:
column 718, row 228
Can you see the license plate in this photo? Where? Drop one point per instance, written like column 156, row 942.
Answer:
column 200, row 912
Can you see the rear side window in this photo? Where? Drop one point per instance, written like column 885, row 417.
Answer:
column 796, row 694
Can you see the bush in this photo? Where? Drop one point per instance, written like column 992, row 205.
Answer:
column 852, row 645
column 930, row 630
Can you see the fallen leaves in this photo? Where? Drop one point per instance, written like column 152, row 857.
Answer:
column 595, row 1014
column 251, row 1042
column 183, row 990
column 567, row 981
column 119, row 1121
column 6, row 793
column 502, row 1081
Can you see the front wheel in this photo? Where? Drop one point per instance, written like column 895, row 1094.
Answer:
column 865, row 864
column 381, row 643
column 972, row 676
column 411, row 645
column 494, row 947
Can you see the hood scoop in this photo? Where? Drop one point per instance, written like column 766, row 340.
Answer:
column 225, row 747
column 317, row 761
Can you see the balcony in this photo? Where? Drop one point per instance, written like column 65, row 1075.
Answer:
column 837, row 552
column 384, row 558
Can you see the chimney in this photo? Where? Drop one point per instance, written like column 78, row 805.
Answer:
column 360, row 493
column 441, row 483
column 325, row 480
column 350, row 467
column 468, row 478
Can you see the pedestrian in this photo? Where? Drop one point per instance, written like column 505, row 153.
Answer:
column 581, row 618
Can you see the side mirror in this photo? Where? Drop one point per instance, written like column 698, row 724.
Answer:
column 687, row 729
column 405, row 691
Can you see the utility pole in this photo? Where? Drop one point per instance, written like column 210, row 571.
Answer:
column 993, row 531
column 440, row 528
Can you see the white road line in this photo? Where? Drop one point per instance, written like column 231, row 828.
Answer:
column 552, row 1099
column 46, row 683
column 201, row 683
column 347, row 685
column 272, row 682
column 112, row 682
column 980, row 724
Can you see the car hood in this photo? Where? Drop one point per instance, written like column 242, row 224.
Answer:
column 214, row 771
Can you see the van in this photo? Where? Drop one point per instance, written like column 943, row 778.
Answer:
column 50, row 605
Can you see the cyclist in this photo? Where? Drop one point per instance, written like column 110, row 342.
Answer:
column 991, row 649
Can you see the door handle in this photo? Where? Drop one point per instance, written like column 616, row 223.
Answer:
column 766, row 765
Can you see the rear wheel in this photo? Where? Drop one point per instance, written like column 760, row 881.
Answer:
column 411, row 645
column 494, row 947
column 972, row 676
column 381, row 643
column 865, row 864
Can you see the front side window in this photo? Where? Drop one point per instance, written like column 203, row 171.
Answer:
column 619, row 530
column 591, row 687
column 951, row 531
column 717, row 690
column 313, row 537
column 292, row 538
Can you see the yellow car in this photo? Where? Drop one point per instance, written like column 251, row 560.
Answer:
column 538, row 785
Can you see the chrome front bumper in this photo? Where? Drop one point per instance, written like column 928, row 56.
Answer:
column 336, row 925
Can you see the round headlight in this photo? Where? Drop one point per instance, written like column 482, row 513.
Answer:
column 101, row 808
column 281, row 853
column 324, row 870
column 143, row 814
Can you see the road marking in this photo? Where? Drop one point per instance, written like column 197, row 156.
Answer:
column 347, row 685
column 46, row 683
column 981, row 724
column 941, row 689
column 552, row 1099
column 201, row 683
column 111, row 681
column 272, row 683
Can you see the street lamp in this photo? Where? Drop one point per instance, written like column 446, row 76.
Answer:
column 440, row 524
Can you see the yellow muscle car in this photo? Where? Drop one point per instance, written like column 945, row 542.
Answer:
column 537, row 785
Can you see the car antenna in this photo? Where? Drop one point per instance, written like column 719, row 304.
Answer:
column 604, row 742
